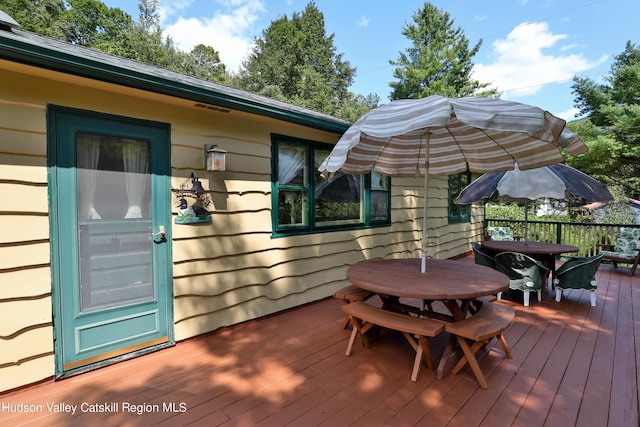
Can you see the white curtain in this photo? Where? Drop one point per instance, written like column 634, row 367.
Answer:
column 88, row 152
column 135, row 155
column 290, row 161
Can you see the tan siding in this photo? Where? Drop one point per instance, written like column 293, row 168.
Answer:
column 25, row 174
column 23, row 228
column 23, row 256
column 26, row 337
column 24, row 314
column 23, row 197
column 33, row 369
column 30, row 342
column 25, row 283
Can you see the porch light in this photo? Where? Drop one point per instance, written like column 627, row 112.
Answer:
column 214, row 158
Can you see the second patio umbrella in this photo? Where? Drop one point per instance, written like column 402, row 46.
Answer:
column 559, row 181
column 444, row 136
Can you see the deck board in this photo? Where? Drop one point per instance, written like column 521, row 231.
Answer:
column 573, row 365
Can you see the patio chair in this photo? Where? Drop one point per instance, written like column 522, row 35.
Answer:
column 525, row 273
column 578, row 273
column 500, row 233
column 626, row 250
column 482, row 257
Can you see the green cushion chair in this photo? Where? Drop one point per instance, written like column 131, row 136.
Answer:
column 525, row 274
column 499, row 233
column 578, row 273
column 482, row 257
column 626, row 250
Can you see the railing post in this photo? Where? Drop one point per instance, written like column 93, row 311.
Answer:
column 558, row 232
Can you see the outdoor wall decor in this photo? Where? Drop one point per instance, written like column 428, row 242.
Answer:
column 197, row 212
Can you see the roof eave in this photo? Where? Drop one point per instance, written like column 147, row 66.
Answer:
column 42, row 56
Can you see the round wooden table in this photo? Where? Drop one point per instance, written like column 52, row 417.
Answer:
column 530, row 248
column 455, row 283
column 443, row 280
column 545, row 252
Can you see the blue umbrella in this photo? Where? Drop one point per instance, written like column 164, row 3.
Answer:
column 557, row 181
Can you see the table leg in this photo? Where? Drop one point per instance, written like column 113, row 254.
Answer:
column 452, row 352
column 450, row 357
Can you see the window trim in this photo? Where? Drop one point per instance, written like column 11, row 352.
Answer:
column 457, row 218
column 278, row 230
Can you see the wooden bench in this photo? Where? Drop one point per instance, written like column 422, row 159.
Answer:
column 491, row 320
column 350, row 294
column 364, row 317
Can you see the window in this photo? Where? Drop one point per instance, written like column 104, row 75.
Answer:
column 305, row 202
column 458, row 213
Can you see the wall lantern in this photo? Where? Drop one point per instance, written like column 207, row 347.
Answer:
column 214, row 158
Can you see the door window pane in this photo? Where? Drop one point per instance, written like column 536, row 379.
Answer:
column 114, row 221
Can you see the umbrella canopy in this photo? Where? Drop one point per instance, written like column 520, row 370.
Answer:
column 557, row 181
column 455, row 135
column 445, row 136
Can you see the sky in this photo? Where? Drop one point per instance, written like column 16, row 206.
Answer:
column 530, row 51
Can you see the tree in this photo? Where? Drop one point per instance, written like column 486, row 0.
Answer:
column 295, row 61
column 612, row 126
column 46, row 17
column 439, row 60
column 204, row 63
column 92, row 24
column 355, row 106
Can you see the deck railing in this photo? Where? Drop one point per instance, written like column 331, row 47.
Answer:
column 585, row 236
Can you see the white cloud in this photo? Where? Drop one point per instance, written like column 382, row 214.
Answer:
column 569, row 115
column 169, row 8
column 228, row 30
column 524, row 62
column 363, row 22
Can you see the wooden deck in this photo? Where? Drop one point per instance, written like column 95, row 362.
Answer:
column 573, row 365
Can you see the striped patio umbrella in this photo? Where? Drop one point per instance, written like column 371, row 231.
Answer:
column 438, row 136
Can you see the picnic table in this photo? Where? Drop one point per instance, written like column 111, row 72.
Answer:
column 455, row 284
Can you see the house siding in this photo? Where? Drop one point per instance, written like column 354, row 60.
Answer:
column 26, row 328
column 225, row 272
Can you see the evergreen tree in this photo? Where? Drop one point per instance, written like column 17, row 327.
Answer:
column 612, row 126
column 438, row 61
column 295, row 61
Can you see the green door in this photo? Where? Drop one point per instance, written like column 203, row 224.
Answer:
column 111, row 263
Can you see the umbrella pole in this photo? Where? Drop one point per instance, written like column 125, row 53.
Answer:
column 526, row 221
column 423, row 266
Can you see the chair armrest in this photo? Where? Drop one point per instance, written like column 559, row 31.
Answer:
column 606, row 246
column 578, row 262
column 570, row 265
